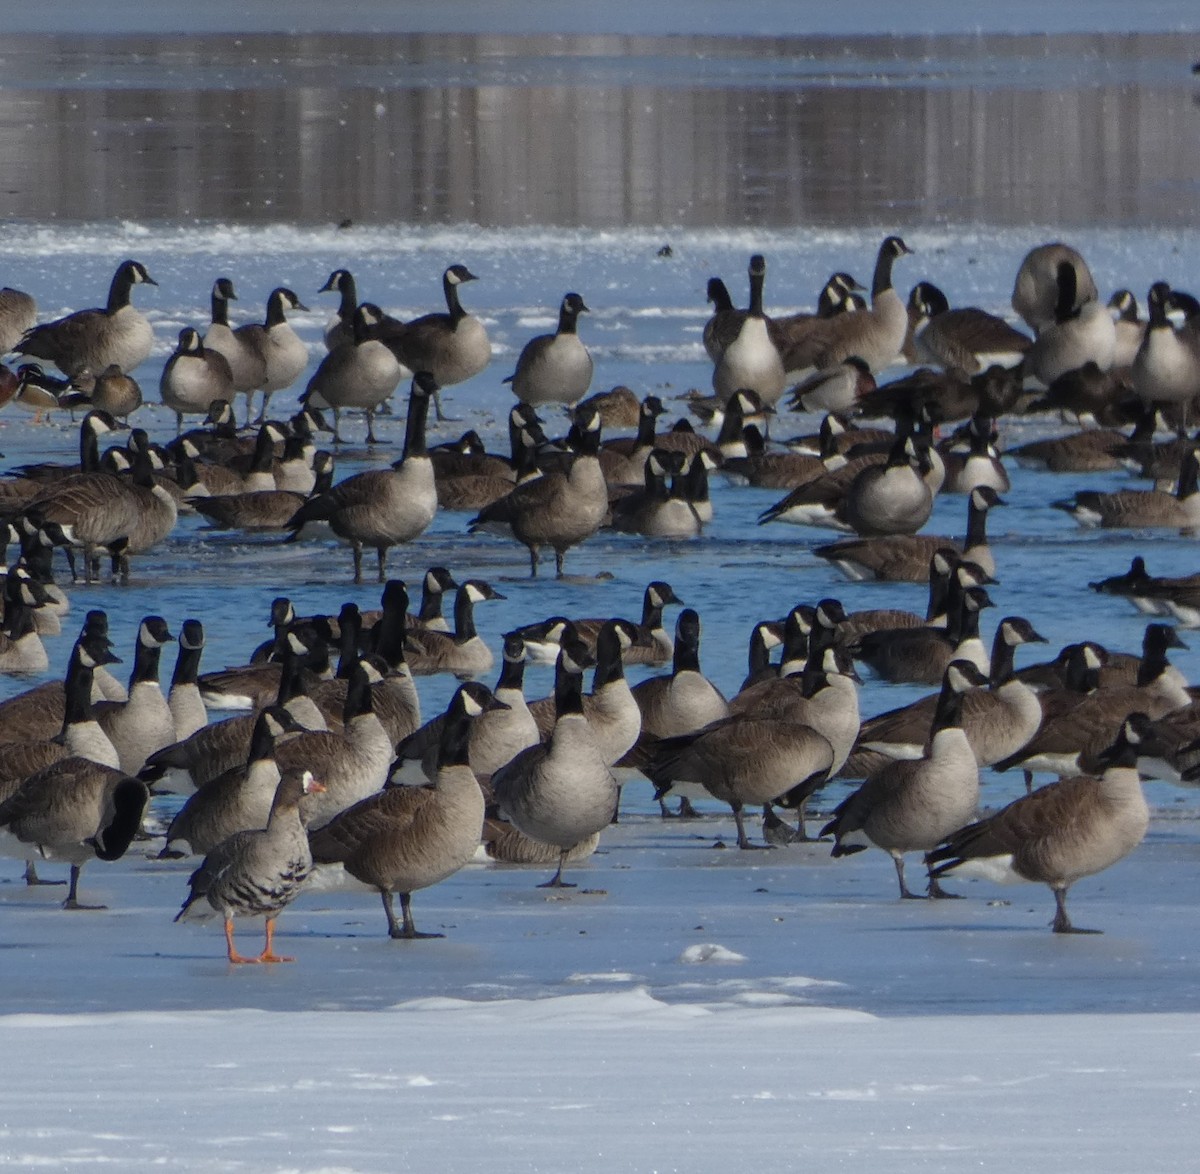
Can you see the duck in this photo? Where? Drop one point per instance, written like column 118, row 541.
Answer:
column 555, row 368
column 41, row 393
column 560, row 792
column 361, row 373
column 1082, row 330
column 258, row 873
column 462, row 652
column 453, row 347
column 247, row 362
column 906, row 558
column 966, row 340
column 193, row 377
column 1166, row 367
column 749, row 356
column 1036, row 290
column 558, row 509
column 909, row 804
column 118, row 333
column 1063, row 832
column 382, row 507
column 409, row 838
column 281, row 349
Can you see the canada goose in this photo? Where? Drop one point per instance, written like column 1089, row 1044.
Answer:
column 95, row 424
column 188, row 712
column 875, row 335
column 618, row 407
column 264, row 509
column 95, row 338
column 623, row 461
column 1082, row 329
column 408, row 838
column 258, row 873
column 905, row 558
column 143, row 724
column 340, row 328
column 1141, row 509
column 892, row 498
column 749, row 357
column 1166, row 368
column 462, row 652
column 477, row 491
column 908, row 805
column 764, row 636
column 998, row 721
column 656, row 511
column 74, row 810
column 303, row 648
column 496, row 737
column 236, row 800
column 967, row 340
column 972, row 459
column 1036, row 291
column 18, row 313
column 558, row 510
column 382, row 507
column 21, row 648
column 247, row 363
column 725, row 317
column 282, row 351
column 193, row 377
column 1090, row 450
column 555, row 368
column 1066, row 735
column 837, row 388
column 1149, row 594
column 1129, row 327
column 454, row 346
column 361, row 373
column 1070, row 829
column 116, row 392
column 560, row 792
column 434, row 585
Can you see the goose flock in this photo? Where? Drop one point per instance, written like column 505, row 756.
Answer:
column 319, row 751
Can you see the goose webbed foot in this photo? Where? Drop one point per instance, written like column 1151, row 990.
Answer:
column 743, row 841
column 32, row 878
column 556, row 881
column 937, row 893
column 1061, row 922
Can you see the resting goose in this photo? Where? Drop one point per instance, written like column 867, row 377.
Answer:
column 193, row 377
column 1070, row 829
column 1082, row 330
column 409, row 838
column 1141, row 509
column 967, row 340
column 259, row 873
column 462, row 652
column 1036, row 291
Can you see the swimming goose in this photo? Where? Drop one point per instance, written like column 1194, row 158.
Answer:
column 892, row 498
column 259, row 873
column 905, row 558
column 966, row 340
column 18, row 313
column 462, row 652
column 143, row 724
column 497, row 736
column 1070, row 829
column 409, row 838
column 263, row 509
column 193, row 377
column 555, row 368
column 624, row 460
column 281, row 349
column 188, row 713
column 1090, row 450
column 1037, row 288
column 1166, row 368
column 237, row 799
column 1130, row 328
column 909, row 805
column 382, row 507
column 560, row 792
column 247, row 363
column 453, row 347
column 95, row 338
column 749, row 357
column 1141, row 509
column 972, row 460
column 360, row 373
column 657, row 511
column 1082, row 330
column 558, row 510
column 340, row 328
column 74, row 810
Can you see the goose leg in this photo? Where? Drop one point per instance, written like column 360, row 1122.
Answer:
column 1062, row 923
column 230, row 949
column 72, row 901
column 407, row 930
column 32, row 878
column 937, row 893
column 381, row 553
column 533, row 562
column 1028, row 782
column 268, row 954
column 337, row 426
column 437, row 407
column 357, row 548
column 559, row 555
column 371, row 437
column 556, row 881
column 905, row 891
column 743, row 841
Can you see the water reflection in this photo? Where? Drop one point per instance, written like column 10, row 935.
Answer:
column 600, row 131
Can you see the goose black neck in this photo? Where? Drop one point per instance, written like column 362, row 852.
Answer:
column 687, row 655
column 718, row 294
column 264, row 451
column 359, row 700
column 609, row 664
column 119, row 290
column 414, row 432
column 391, row 632
column 695, row 480
column 262, row 740
column 733, row 426
column 464, row 616
column 1189, row 477
column 187, row 666
column 1157, row 310
column 512, row 674
column 976, row 524
column 948, row 713
column 349, row 297
column 1068, row 290
column 220, row 308
column 18, row 618
column 939, row 596
column 881, row 282
column 275, row 311
column 568, row 691
column 291, row 679
column 453, row 305
column 349, row 630
column 568, row 319
column 1003, row 656
column 454, row 743
column 89, row 449
column 759, row 657
column 431, row 604
column 146, row 660
column 758, row 278
column 647, row 425
column 77, row 692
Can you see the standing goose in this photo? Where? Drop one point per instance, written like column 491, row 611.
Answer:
column 18, row 313
column 1166, row 368
column 908, row 805
column 1130, row 328
column 1082, row 330
column 193, row 377
column 188, row 712
column 967, row 340
column 383, row 507
column 1070, row 829
column 340, row 328
column 1036, row 291
column 281, row 349
column 143, row 724
column 409, row 838
column 560, row 792
column 497, row 735
column 360, row 373
column 462, row 652
column 247, row 365
column 95, row 338
column 722, row 325
column 259, row 873
column 559, row 509
column 555, row 368
column 453, row 347
column 749, row 357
